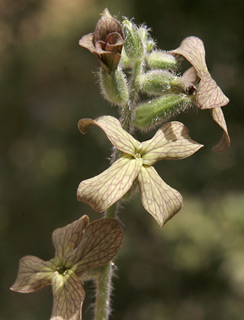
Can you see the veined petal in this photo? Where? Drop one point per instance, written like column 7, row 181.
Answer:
column 68, row 296
column 33, row 274
column 171, row 141
column 121, row 139
column 101, row 242
column 192, row 48
column 191, row 75
column 209, row 94
column 87, row 42
column 159, row 199
column 67, row 238
column 219, row 118
column 101, row 191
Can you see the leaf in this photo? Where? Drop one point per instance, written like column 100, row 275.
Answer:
column 224, row 142
column 101, row 242
column 171, row 141
column 68, row 296
column 101, row 191
column 121, row 139
column 159, row 199
column 67, row 238
column 209, row 94
column 34, row 274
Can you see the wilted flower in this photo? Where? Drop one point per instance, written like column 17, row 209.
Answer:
column 171, row 141
column 209, row 95
column 79, row 247
column 106, row 42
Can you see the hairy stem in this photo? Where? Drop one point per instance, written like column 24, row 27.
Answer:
column 104, row 281
column 103, row 292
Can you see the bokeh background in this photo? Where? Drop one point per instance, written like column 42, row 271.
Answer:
column 193, row 268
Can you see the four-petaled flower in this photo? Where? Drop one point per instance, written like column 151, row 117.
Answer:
column 209, row 95
column 106, row 42
column 171, row 141
column 79, row 247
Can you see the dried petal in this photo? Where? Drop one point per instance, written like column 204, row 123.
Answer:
column 159, row 199
column 224, row 142
column 209, row 95
column 101, row 191
column 67, row 238
column 121, row 139
column 101, row 242
column 68, row 296
column 171, row 141
column 34, row 274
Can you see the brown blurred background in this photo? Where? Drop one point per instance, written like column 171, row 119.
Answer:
column 193, row 268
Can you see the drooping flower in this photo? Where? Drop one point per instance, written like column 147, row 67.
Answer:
column 171, row 141
column 209, row 95
column 79, row 247
column 106, row 42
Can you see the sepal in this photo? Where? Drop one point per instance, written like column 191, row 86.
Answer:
column 114, row 87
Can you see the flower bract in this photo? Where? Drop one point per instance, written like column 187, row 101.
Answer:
column 79, row 247
column 171, row 141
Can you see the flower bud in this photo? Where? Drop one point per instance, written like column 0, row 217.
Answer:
column 161, row 60
column 151, row 113
column 133, row 44
column 156, row 81
column 114, row 87
column 147, row 41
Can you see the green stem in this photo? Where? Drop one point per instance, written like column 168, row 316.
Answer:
column 103, row 292
column 104, row 281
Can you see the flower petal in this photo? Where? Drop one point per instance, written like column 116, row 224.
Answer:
column 68, row 296
column 171, row 141
column 192, row 48
column 67, row 238
column 190, row 75
column 101, row 191
column 219, row 118
column 106, row 25
column 121, row 139
column 159, row 199
column 87, row 42
column 209, row 94
column 101, row 242
column 34, row 274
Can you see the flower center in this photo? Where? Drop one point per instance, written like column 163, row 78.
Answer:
column 137, row 155
column 62, row 270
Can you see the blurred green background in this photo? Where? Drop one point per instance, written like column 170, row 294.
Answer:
column 193, row 268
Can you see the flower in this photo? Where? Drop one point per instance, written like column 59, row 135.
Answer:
column 209, row 95
column 171, row 141
column 106, row 42
column 79, row 247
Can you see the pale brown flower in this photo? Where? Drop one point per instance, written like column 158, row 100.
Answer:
column 106, row 42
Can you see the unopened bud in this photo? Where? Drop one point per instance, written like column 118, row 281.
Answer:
column 161, row 60
column 156, row 81
column 114, row 87
column 154, row 112
column 133, row 45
